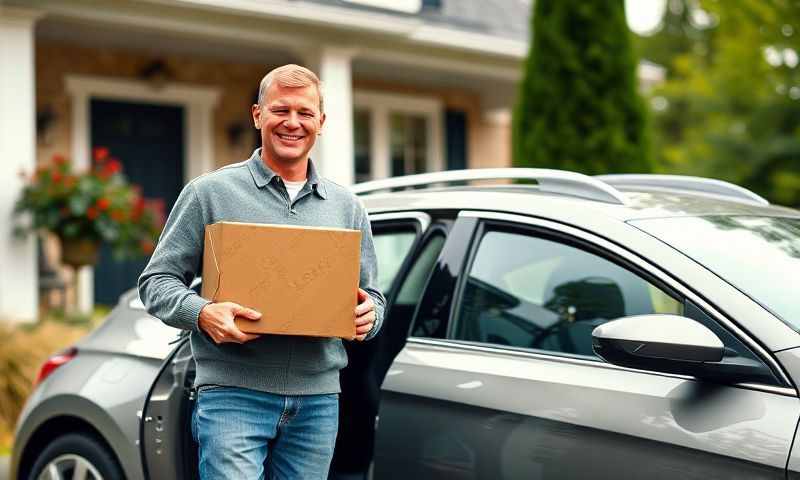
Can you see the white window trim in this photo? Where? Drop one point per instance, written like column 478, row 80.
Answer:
column 198, row 138
column 381, row 105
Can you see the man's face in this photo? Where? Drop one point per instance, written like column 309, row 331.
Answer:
column 290, row 121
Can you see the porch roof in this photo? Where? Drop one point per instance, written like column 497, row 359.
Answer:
column 501, row 18
column 498, row 28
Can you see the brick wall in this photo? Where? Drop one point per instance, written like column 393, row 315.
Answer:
column 237, row 83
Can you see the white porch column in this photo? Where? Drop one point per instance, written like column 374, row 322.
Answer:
column 334, row 151
column 19, row 290
column 84, row 283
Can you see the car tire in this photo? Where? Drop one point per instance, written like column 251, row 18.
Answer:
column 76, row 450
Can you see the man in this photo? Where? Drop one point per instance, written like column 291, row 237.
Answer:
column 266, row 404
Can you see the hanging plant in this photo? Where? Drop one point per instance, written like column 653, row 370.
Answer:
column 87, row 209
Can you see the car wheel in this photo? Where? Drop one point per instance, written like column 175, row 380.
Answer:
column 76, row 456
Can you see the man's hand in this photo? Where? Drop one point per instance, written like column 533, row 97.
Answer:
column 216, row 319
column 365, row 315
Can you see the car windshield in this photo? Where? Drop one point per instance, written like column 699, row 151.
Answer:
column 758, row 255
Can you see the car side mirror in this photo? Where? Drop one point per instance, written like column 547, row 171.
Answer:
column 660, row 342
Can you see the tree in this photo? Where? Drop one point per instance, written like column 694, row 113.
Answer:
column 578, row 108
column 730, row 108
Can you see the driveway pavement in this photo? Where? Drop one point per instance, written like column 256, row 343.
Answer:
column 4, row 461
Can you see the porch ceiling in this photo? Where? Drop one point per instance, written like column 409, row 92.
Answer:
column 139, row 37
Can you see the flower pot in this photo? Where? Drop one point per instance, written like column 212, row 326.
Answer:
column 78, row 252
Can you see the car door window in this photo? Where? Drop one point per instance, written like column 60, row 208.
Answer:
column 392, row 245
column 531, row 292
column 403, row 306
column 414, row 283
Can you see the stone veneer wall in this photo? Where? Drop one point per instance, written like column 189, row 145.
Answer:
column 237, row 83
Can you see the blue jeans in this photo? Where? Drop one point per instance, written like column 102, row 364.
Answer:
column 245, row 434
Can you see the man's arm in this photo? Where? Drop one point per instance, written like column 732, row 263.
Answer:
column 369, row 273
column 164, row 283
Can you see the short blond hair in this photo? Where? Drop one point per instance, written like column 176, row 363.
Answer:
column 293, row 76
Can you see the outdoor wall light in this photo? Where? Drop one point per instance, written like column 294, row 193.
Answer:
column 157, row 73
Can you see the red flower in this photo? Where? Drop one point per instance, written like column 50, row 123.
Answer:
column 57, row 177
column 138, row 208
column 92, row 213
column 100, row 154
column 102, row 203
column 59, row 159
column 117, row 215
column 113, row 166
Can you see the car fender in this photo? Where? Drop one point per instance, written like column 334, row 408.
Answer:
column 65, row 406
column 107, row 392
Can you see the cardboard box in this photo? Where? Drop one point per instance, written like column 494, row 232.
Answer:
column 303, row 280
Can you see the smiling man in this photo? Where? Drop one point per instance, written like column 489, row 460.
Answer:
column 267, row 405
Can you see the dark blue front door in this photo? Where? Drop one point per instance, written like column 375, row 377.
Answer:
column 455, row 128
column 148, row 141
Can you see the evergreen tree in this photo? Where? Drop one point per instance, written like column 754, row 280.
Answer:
column 578, row 107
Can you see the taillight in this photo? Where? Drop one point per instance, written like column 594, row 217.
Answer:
column 54, row 362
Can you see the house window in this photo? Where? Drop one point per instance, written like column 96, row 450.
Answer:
column 396, row 135
column 409, row 143
column 362, row 131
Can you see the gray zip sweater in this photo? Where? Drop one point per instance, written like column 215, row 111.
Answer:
column 250, row 192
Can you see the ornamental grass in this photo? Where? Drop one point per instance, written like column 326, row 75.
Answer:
column 25, row 349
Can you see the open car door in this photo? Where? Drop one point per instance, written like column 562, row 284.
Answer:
column 165, row 440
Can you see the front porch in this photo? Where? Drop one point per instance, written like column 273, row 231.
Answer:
column 393, row 107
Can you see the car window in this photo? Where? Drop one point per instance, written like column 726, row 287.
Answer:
column 391, row 248
column 403, row 306
column 414, row 283
column 531, row 292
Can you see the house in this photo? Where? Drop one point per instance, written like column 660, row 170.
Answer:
column 410, row 86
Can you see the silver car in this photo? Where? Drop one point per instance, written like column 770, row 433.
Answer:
column 626, row 326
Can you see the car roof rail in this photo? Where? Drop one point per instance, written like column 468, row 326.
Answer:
column 684, row 183
column 547, row 180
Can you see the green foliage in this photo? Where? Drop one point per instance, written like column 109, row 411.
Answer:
column 578, row 108
column 98, row 205
column 725, row 111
